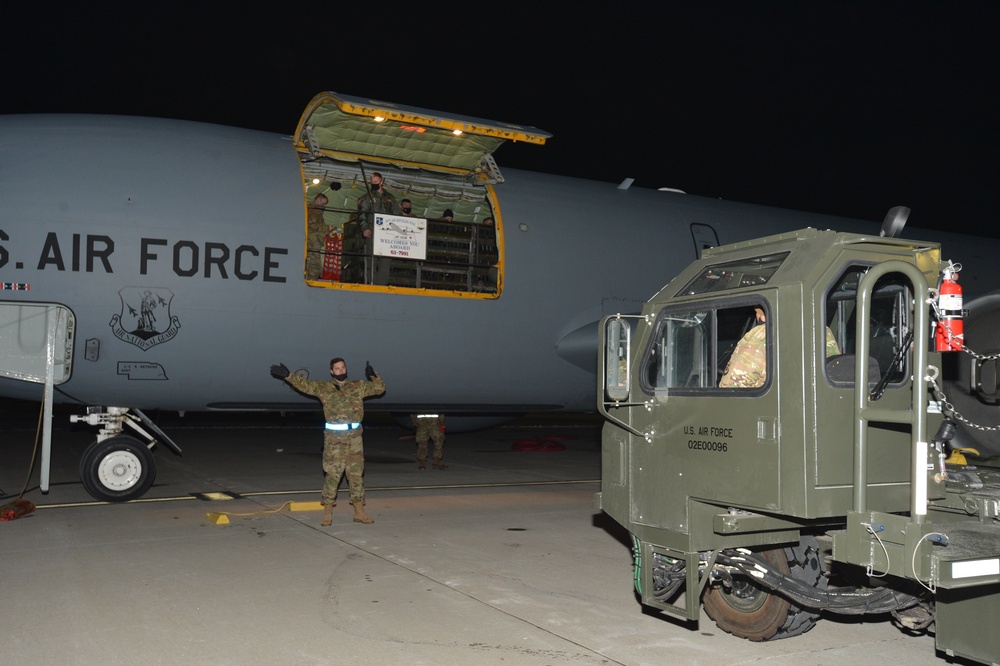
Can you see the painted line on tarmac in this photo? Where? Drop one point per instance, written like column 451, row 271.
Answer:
column 202, row 496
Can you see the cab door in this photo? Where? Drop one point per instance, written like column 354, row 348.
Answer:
column 832, row 453
column 712, row 429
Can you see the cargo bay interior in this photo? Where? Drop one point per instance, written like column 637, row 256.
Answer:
column 441, row 163
column 461, row 254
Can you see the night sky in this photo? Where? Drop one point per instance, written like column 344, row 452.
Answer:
column 846, row 108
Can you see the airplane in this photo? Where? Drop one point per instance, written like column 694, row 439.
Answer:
column 153, row 264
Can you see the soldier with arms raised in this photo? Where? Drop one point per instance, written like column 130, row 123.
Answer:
column 343, row 449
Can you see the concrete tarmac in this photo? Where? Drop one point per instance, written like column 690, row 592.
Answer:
column 501, row 559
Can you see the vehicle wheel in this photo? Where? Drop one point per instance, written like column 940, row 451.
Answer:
column 118, row 469
column 750, row 612
column 806, row 563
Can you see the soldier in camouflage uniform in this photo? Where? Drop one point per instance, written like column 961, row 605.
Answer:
column 832, row 348
column 316, row 232
column 747, row 366
column 343, row 450
column 429, row 427
column 376, row 200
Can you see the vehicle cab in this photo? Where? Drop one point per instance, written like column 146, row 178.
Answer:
column 777, row 440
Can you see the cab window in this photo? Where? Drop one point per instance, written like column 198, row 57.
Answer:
column 752, row 272
column 723, row 347
column 890, row 322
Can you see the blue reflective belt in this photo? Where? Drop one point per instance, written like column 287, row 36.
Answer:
column 343, row 426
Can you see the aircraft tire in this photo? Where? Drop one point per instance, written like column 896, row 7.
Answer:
column 750, row 612
column 118, row 469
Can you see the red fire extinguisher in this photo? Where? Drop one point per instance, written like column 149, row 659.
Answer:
column 950, row 332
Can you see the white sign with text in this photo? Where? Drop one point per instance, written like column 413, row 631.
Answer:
column 400, row 237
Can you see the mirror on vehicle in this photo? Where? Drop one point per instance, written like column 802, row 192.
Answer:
column 986, row 379
column 617, row 337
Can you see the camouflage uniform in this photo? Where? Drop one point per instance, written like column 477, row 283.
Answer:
column 316, row 232
column 343, row 450
column 748, row 365
column 832, row 348
column 429, row 427
column 368, row 205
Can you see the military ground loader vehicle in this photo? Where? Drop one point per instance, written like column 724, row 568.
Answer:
column 820, row 481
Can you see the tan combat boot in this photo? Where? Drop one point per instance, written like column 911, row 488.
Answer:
column 359, row 514
column 421, row 464
column 327, row 515
column 439, row 465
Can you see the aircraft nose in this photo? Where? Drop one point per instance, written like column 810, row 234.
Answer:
column 579, row 347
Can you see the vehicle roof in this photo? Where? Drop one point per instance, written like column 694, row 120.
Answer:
column 788, row 259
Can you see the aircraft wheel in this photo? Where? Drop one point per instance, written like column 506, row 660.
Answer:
column 749, row 612
column 118, row 469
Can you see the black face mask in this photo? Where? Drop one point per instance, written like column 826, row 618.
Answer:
column 340, row 378
column 376, row 186
column 407, row 210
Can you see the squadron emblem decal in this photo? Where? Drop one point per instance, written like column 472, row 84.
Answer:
column 145, row 320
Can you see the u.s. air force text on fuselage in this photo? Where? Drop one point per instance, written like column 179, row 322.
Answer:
column 91, row 253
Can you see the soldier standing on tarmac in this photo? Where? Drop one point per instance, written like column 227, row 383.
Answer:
column 429, row 426
column 343, row 449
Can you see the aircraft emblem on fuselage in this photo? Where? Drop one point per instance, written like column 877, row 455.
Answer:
column 145, row 320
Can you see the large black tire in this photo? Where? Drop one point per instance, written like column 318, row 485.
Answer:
column 750, row 612
column 118, row 469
